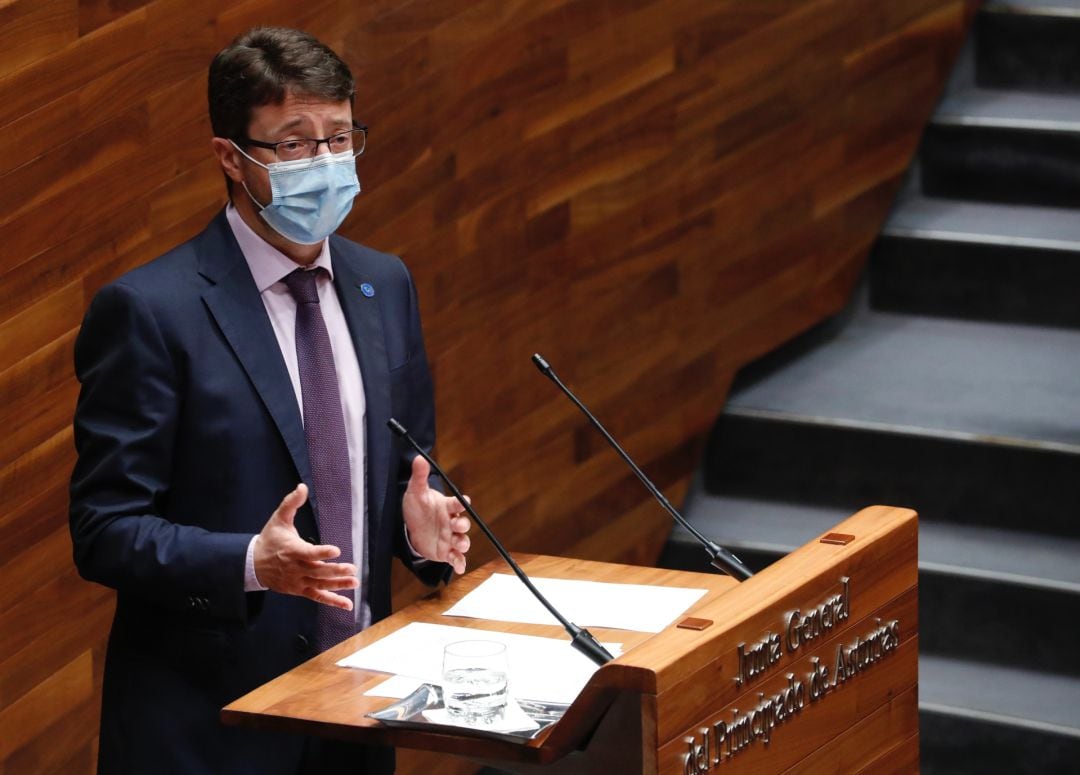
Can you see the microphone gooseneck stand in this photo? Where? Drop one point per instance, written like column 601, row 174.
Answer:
column 580, row 638
column 719, row 557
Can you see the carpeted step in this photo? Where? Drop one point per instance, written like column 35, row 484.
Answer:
column 1006, row 263
column 977, row 718
column 1000, row 146
column 1028, row 44
column 985, row 594
column 966, row 422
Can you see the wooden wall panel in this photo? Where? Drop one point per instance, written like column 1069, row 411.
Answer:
column 30, row 29
column 650, row 192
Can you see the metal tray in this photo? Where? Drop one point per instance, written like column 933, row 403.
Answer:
column 408, row 712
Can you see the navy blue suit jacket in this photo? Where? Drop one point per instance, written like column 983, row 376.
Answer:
column 188, row 435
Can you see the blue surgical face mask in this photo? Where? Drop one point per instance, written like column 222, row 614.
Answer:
column 310, row 197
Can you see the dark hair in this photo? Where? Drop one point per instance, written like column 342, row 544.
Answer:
column 263, row 65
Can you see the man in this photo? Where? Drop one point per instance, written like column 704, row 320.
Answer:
column 236, row 482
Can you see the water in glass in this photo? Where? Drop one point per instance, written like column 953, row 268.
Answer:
column 475, row 681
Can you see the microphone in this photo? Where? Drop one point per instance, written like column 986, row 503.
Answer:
column 580, row 638
column 719, row 557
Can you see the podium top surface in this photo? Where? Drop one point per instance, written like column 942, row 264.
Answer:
column 319, row 698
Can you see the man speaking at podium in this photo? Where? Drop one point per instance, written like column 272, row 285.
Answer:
column 236, row 482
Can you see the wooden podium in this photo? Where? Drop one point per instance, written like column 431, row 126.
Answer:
column 809, row 666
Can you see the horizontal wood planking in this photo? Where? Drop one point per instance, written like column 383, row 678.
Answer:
column 880, row 571
column 861, row 747
column 826, row 723
column 902, row 759
column 881, row 564
column 650, row 192
column 32, row 713
column 715, row 685
column 31, row 29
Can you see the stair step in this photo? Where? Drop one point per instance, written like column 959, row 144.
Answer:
column 1006, row 263
column 1051, row 7
column 1008, row 385
column 968, row 105
column 1005, row 384
column 1001, row 146
column 1028, row 44
column 979, row 718
column 963, row 421
column 989, row 554
column 955, row 477
column 984, row 593
column 975, row 618
column 1005, row 225
column 1017, row 695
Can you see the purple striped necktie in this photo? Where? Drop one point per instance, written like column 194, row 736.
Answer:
column 328, row 448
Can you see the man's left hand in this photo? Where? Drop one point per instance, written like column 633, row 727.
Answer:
column 437, row 527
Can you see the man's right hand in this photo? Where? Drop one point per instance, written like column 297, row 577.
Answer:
column 287, row 563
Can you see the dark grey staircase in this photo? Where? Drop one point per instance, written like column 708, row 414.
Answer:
column 979, row 260
column 951, row 385
column 1029, row 44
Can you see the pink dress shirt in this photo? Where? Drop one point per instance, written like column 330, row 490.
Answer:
column 268, row 266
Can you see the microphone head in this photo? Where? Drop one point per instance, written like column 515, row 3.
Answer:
column 397, row 427
column 544, row 366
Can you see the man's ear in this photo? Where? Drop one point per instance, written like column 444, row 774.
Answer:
column 229, row 158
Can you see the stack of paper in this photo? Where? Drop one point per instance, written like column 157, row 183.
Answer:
column 543, row 669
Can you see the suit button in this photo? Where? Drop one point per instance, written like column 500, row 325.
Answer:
column 190, row 602
column 310, row 539
column 204, row 604
column 301, row 645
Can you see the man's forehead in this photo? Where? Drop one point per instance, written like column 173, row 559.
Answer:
column 299, row 109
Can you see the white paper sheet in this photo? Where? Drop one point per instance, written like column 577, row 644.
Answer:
column 397, row 686
column 542, row 669
column 504, row 598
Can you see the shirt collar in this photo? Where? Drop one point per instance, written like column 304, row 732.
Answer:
column 269, row 265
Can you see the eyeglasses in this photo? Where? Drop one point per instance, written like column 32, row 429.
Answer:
column 354, row 140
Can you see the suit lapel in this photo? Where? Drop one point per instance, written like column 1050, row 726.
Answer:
column 363, row 317
column 235, row 304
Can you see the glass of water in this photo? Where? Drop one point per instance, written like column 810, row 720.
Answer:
column 475, row 680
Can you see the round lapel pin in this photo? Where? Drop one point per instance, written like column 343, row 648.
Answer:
column 367, row 289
